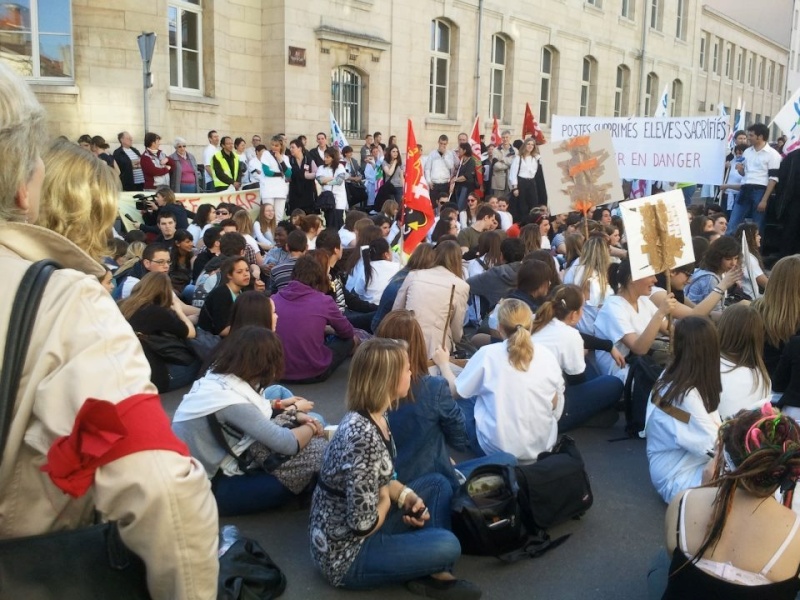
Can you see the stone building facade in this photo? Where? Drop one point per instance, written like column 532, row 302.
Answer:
column 268, row 66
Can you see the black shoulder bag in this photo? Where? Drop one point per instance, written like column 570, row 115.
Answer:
column 83, row 564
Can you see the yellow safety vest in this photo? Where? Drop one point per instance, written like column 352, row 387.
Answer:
column 226, row 168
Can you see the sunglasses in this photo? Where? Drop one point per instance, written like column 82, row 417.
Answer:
column 222, row 212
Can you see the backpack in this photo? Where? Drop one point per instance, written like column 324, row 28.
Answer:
column 643, row 373
column 487, row 517
column 555, row 488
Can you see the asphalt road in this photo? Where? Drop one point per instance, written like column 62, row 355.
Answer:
column 606, row 557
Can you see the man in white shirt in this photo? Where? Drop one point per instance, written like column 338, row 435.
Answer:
column 439, row 169
column 759, row 177
column 250, row 153
column 208, row 155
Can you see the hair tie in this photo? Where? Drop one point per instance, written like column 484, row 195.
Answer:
column 563, row 303
column 518, row 327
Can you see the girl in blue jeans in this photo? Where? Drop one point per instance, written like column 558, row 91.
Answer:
column 366, row 528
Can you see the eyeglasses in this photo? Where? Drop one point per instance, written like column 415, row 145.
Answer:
column 162, row 261
column 181, row 146
column 222, row 212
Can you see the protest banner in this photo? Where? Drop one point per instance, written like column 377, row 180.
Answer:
column 788, row 119
column 659, row 238
column 249, row 199
column 580, row 173
column 661, row 149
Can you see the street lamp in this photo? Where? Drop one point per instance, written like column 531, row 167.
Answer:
column 147, row 43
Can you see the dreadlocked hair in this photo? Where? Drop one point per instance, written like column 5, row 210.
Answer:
column 760, row 454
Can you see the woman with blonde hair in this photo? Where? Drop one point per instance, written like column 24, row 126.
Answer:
column 745, row 381
column 366, row 528
column 264, row 227
column 244, row 225
column 430, row 292
column 780, row 309
column 573, row 247
column 516, row 389
column 79, row 192
column 590, row 273
column 79, row 333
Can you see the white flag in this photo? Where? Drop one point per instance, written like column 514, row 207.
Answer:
column 337, row 137
column 788, row 119
column 663, row 104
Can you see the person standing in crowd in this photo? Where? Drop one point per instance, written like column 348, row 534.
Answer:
column 98, row 148
column 226, row 168
column 522, row 175
column 366, row 148
column 394, row 171
column 79, row 332
column 155, row 164
column 277, row 173
column 318, row 154
column 208, row 156
column 464, row 179
column 501, row 158
column 302, row 191
column 331, row 176
column 759, row 172
column 439, row 170
column 130, row 164
column 184, row 177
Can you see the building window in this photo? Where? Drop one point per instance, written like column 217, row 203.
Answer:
column 650, row 89
column 715, row 59
column 739, row 69
column 703, row 53
column 185, row 44
column 728, row 53
column 595, row 3
column 770, row 76
column 440, row 67
column 680, row 23
column 656, row 14
column 622, row 91
column 750, row 69
column 497, row 80
column 549, row 80
column 346, row 96
column 588, row 86
column 36, row 38
column 676, row 98
column 760, row 76
column 626, row 10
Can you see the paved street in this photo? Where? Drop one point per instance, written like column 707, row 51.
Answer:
column 606, row 557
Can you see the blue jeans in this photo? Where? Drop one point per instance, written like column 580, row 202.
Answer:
column 188, row 188
column 585, row 400
column 745, row 208
column 248, row 494
column 397, row 553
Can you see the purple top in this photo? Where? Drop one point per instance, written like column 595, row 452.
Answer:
column 303, row 313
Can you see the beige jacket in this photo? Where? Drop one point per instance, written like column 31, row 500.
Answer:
column 427, row 293
column 82, row 347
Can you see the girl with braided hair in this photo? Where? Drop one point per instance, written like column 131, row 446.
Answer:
column 732, row 538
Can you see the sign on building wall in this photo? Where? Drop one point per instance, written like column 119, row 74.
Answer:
column 297, row 56
column 675, row 149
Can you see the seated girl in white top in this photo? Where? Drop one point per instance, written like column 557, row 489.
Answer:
column 682, row 418
column 629, row 319
column 519, row 389
column 753, row 267
column 590, row 274
column 745, row 381
column 379, row 268
column 554, row 328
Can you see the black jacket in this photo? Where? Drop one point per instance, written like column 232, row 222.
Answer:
column 126, row 169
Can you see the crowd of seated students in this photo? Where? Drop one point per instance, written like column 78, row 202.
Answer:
column 545, row 315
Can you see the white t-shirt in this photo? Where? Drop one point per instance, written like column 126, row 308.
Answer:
column 514, row 410
column 208, row 154
column 347, row 237
column 752, row 270
column 565, row 343
column 597, row 297
column 678, row 451
column 742, row 388
column 506, row 220
column 382, row 273
column 616, row 319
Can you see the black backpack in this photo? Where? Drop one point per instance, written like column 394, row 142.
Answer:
column 488, row 519
column 643, row 373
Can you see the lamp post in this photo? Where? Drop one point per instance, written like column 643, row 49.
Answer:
column 147, row 43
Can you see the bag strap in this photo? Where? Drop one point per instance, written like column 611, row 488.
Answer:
column 18, row 337
column 219, row 435
column 533, row 547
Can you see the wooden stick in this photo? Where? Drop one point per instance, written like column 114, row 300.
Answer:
column 669, row 316
column 449, row 317
column 585, row 227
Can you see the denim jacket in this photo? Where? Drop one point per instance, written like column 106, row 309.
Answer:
column 422, row 428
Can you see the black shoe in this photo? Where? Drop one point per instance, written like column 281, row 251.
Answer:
column 429, row 587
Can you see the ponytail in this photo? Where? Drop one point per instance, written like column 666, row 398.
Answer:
column 515, row 320
column 619, row 275
column 375, row 251
column 563, row 300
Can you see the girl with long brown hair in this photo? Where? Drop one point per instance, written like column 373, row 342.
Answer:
column 518, row 389
column 780, row 308
column 682, row 416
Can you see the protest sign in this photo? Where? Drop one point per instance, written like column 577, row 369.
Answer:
column 788, row 119
column 580, row 173
column 249, row 199
column 680, row 149
column 659, row 238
